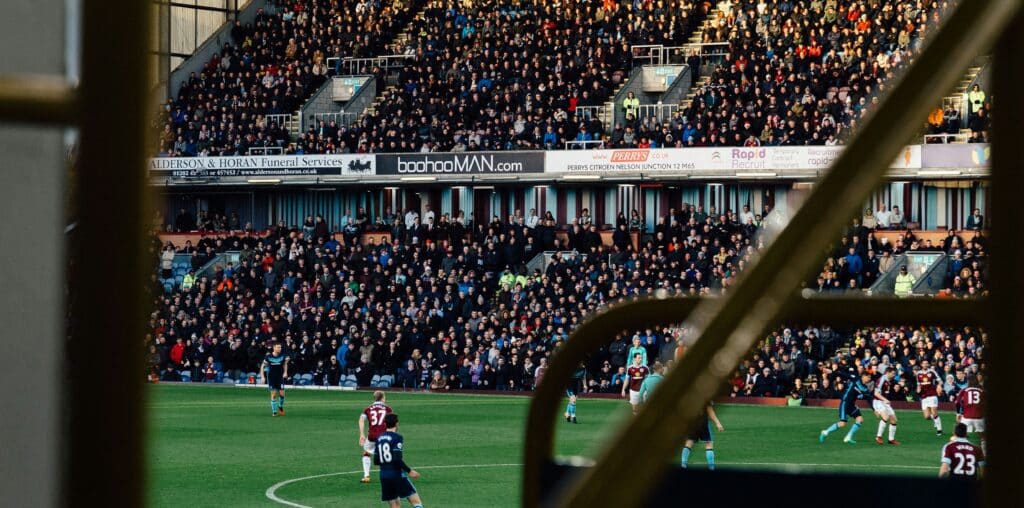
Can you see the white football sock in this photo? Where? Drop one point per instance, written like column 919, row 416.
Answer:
column 366, row 466
column 881, row 428
column 892, row 432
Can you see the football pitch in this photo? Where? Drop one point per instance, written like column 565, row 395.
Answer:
column 219, row 446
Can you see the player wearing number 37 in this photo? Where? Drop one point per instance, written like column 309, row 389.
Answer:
column 372, row 417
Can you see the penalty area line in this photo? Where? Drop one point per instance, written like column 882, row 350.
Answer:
column 271, row 492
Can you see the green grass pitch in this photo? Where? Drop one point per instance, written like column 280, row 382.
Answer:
column 219, row 446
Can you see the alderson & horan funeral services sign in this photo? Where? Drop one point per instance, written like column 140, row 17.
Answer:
column 262, row 165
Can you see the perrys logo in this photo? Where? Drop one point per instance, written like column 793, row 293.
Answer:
column 630, row 155
column 980, row 155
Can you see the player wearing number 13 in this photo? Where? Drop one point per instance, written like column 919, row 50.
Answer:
column 961, row 460
column 373, row 417
column 394, row 473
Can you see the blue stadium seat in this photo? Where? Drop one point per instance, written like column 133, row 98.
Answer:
column 168, row 288
column 178, row 280
column 374, row 381
column 388, row 379
column 227, row 380
column 306, row 379
column 186, row 376
column 349, row 381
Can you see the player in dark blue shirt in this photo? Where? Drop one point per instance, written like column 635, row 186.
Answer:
column 394, row 472
column 576, row 386
column 275, row 368
column 859, row 388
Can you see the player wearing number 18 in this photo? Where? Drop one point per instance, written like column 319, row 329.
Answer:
column 961, row 460
column 373, row 416
column 394, row 473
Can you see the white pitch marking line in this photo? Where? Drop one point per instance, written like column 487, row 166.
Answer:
column 271, row 492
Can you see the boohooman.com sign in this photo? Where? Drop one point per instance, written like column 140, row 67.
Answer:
column 477, row 163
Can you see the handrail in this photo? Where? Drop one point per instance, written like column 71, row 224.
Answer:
column 584, row 145
column 600, row 329
column 728, row 327
column 945, row 138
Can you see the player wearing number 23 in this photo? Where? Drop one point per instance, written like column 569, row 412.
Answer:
column 961, row 460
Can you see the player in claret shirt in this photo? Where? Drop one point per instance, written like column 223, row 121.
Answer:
column 374, row 415
column 929, row 386
column 394, row 473
column 961, row 460
column 636, row 373
column 970, row 410
column 882, row 407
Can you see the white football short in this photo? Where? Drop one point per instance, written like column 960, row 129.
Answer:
column 974, row 424
column 928, row 402
column 882, row 408
column 634, row 398
column 369, row 446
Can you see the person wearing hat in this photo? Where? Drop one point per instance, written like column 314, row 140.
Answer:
column 904, row 282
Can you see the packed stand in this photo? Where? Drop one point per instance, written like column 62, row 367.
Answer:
column 451, row 306
column 270, row 67
column 861, row 256
column 493, row 75
column 798, row 73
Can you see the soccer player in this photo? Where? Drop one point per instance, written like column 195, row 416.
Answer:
column 394, row 472
column 275, row 369
column 882, row 407
column 703, row 433
column 638, row 349
column 636, row 373
column 970, row 409
column 575, row 387
column 374, row 416
column 961, row 460
column 858, row 389
column 929, row 387
column 652, row 381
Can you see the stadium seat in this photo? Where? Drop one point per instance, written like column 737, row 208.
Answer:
column 186, row 376
column 375, row 381
column 387, row 381
column 350, row 381
column 227, row 380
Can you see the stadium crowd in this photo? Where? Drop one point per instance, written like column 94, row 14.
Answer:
column 803, row 72
column 452, row 306
column 269, row 67
column 495, row 75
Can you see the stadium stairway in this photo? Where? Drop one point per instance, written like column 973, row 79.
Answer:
column 705, row 77
column 398, row 46
column 958, row 97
